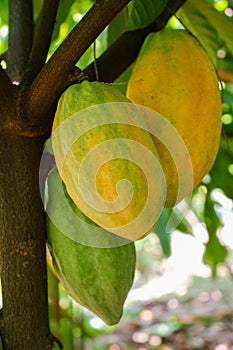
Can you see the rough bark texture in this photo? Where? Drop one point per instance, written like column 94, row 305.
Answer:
column 22, row 245
column 20, row 37
column 42, row 39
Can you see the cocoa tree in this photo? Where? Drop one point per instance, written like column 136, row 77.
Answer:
column 29, row 91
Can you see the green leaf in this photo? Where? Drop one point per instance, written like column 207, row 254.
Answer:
column 221, row 177
column 184, row 226
column 4, row 11
column 170, row 220
column 68, row 15
column 143, row 12
column 219, row 21
column 215, row 252
column 3, row 26
column 199, row 26
column 62, row 12
column 160, row 231
column 37, row 4
column 138, row 14
column 206, row 23
column 86, row 58
column 122, row 81
column 118, row 26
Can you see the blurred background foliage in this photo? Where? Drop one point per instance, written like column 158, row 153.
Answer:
column 190, row 259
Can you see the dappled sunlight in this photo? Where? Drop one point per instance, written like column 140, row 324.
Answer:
column 97, row 323
column 185, row 261
column 228, row 12
column 226, row 232
column 223, row 347
column 4, row 31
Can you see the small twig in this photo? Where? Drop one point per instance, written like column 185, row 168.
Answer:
column 75, row 77
column 95, row 63
column 42, row 39
column 53, row 340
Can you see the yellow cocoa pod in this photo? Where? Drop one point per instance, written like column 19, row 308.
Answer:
column 107, row 159
column 174, row 76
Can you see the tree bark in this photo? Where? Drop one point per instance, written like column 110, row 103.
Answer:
column 20, row 38
column 22, row 244
column 42, row 39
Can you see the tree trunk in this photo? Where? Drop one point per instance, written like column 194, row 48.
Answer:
column 22, row 246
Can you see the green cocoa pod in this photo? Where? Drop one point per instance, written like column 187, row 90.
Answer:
column 97, row 278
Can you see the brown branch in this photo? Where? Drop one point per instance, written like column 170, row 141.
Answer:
column 42, row 39
column 51, row 341
column 20, row 37
column 52, row 79
column 112, row 63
